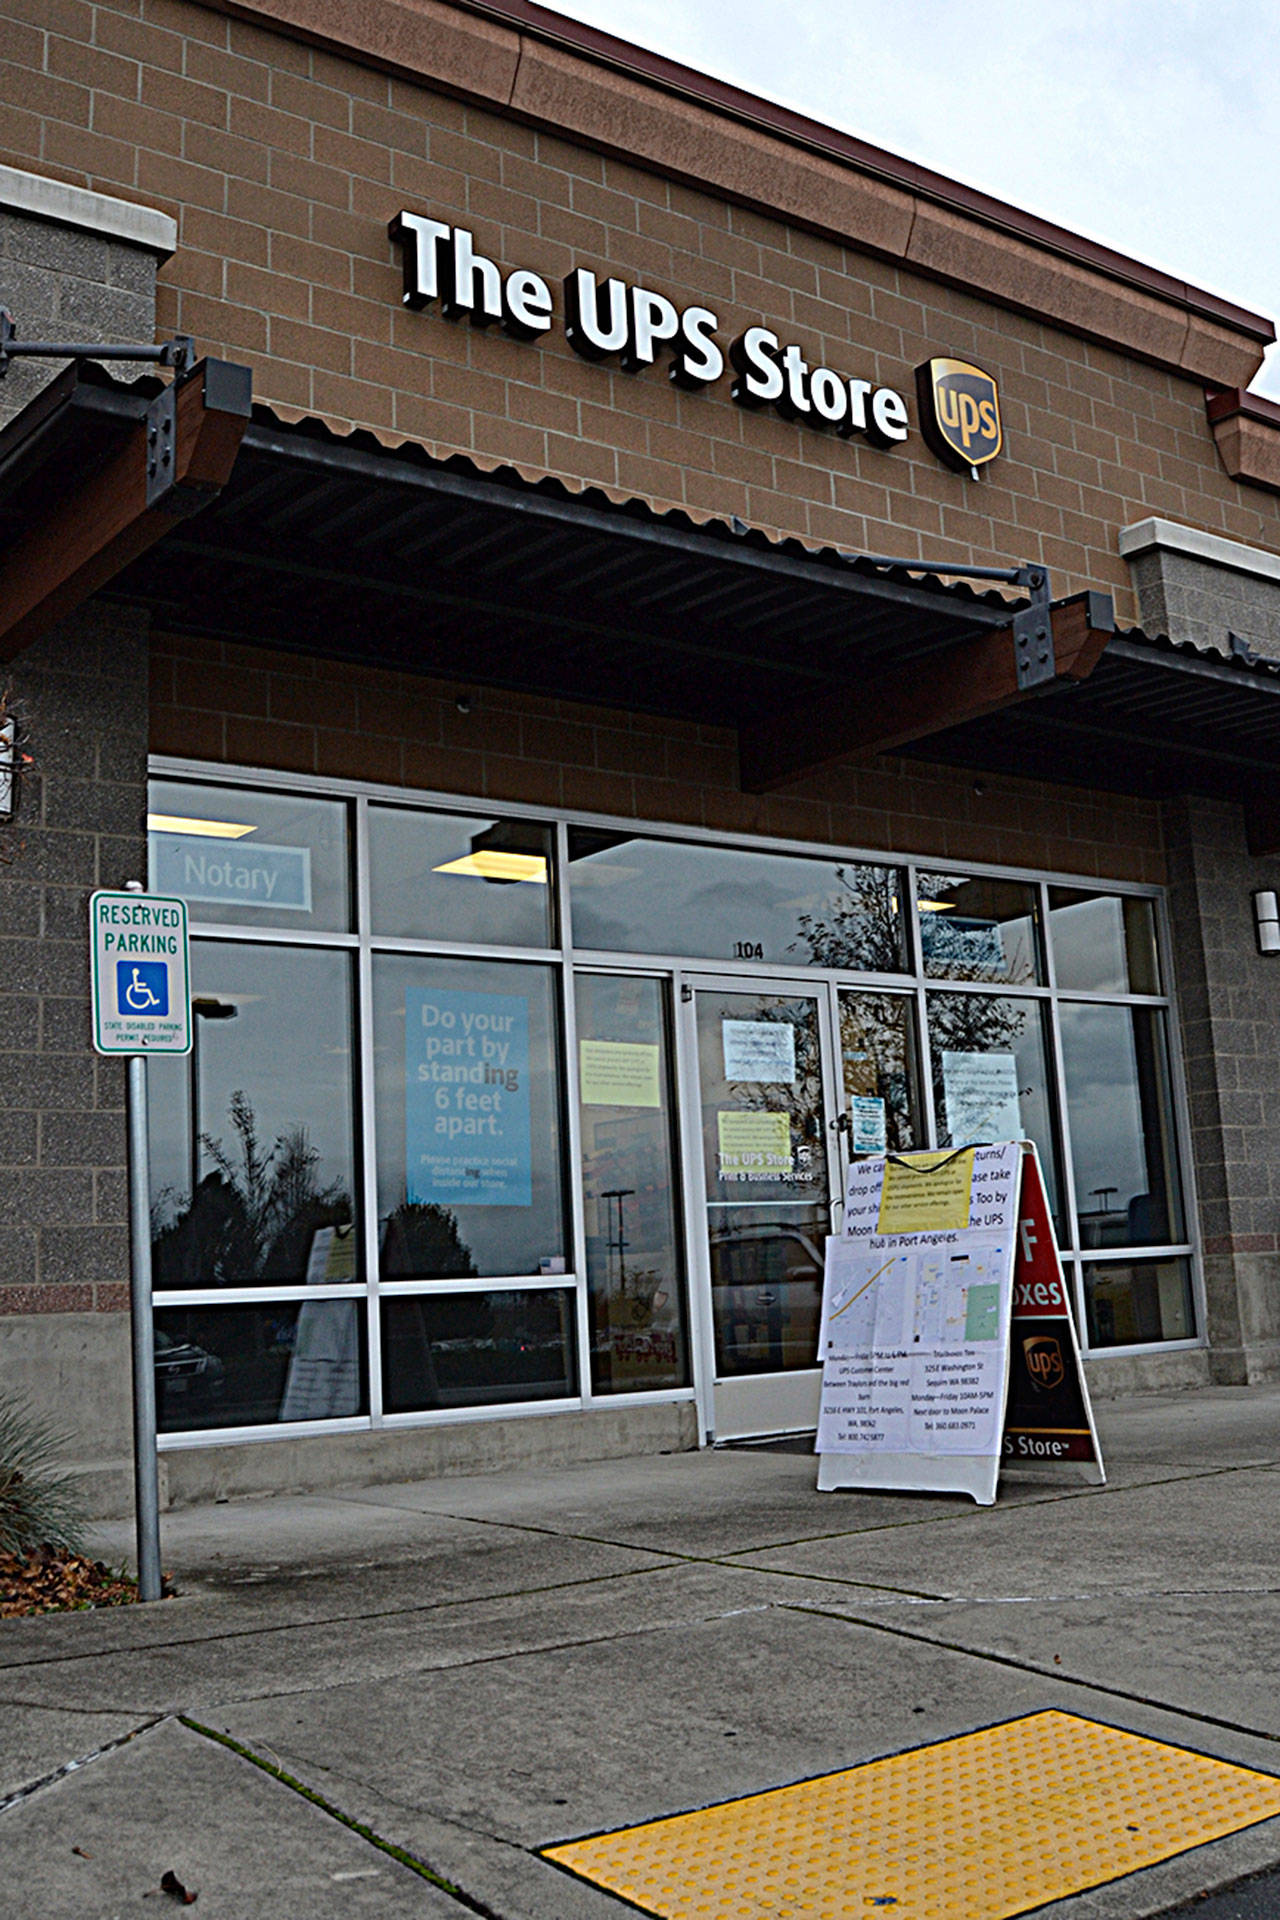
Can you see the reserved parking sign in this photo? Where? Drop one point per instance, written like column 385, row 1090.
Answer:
column 139, row 971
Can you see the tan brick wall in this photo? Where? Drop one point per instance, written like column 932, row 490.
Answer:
column 251, row 707
column 283, row 163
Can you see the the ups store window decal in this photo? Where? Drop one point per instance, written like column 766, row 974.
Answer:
column 959, row 413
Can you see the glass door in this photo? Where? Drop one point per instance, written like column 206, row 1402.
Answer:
column 791, row 1080
column 768, row 1178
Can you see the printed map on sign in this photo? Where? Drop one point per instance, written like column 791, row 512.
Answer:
column 914, row 1341
column 913, row 1337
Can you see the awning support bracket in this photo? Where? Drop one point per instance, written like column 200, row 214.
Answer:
column 178, row 353
column 162, row 442
column 1032, row 626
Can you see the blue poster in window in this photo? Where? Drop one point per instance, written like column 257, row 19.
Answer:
column 466, row 1098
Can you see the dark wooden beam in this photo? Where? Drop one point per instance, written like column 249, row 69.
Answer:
column 897, row 704
column 96, row 526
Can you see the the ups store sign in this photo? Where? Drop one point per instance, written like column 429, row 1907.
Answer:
column 606, row 318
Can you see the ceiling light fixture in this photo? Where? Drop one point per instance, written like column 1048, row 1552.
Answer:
column 208, row 829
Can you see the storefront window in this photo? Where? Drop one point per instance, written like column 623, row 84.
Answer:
column 256, row 1366
column 457, row 876
column 449, row 956
column 632, row 895
column 469, row 1108
column 990, row 1075
column 1120, row 1112
column 477, row 1349
column 243, row 858
column 1132, row 1302
column 252, row 1155
column 975, row 928
column 1103, row 943
column 635, row 1267
column 878, row 1067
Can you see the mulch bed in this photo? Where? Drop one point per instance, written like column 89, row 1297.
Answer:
column 55, row 1580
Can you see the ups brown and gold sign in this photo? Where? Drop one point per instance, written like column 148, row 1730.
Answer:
column 959, row 413
column 1043, row 1356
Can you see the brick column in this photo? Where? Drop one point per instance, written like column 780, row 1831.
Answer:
column 81, row 696
column 73, row 265
column 1229, row 999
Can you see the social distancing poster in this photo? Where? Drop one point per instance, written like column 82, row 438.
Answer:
column 947, row 1342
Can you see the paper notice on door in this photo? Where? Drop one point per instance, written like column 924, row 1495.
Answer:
column 930, row 1192
column 981, row 1093
column 618, row 1073
column 868, row 1123
column 759, row 1050
column 753, row 1146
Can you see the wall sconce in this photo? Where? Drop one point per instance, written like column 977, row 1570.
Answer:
column 1266, row 922
column 8, row 767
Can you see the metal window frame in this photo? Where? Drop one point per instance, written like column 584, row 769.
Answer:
column 681, row 971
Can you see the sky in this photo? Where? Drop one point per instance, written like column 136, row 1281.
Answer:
column 1149, row 125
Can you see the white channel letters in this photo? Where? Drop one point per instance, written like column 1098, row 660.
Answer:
column 609, row 317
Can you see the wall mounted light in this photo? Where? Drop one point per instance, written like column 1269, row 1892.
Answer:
column 8, row 767
column 1266, row 921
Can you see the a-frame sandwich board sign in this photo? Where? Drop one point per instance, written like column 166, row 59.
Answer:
column 918, row 1325
column 1048, row 1420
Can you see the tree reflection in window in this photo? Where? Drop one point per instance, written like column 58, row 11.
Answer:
column 877, row 1059
column 977, row 927
column 422, row 1240
column 257, row 1217
column 863, row 927
column 1009, row 1033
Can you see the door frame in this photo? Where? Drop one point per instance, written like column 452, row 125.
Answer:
column 787, row 1402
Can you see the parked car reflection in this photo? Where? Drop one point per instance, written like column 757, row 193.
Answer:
column 766, row 1286
column 188, row 1380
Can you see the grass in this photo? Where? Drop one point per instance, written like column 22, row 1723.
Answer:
column 41, row 1504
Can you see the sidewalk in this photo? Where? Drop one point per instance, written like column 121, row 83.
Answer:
column 471, row 1670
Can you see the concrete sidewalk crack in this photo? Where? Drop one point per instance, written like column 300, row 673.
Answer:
column 69, row 1767
column 518, row 1653
column 110, row 1712
column 335, row 1620
column 1058, row 1675
column 365, row 1832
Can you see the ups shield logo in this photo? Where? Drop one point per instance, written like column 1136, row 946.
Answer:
column 959, row 413
column 1043, row 1356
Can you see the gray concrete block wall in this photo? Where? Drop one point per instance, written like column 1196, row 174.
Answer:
column 61, row 283
column 1194, row 599
column 1229, row 997
column 80, row 696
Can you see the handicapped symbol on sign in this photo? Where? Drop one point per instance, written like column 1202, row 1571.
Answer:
column 142, row 986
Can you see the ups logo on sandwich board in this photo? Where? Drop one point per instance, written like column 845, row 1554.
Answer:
column 959, row 413
column 1044, row 1361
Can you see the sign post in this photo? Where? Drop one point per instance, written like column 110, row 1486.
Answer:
column 141, row 1002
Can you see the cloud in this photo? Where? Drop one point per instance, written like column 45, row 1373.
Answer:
column 1144, row 124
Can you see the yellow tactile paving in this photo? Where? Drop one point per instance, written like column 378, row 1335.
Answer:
column 977, row 1828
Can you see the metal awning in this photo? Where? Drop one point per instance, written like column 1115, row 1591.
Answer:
column 92, row 473
column 335, row 545
column 1156, row 717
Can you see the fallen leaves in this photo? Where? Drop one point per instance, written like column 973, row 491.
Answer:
column 55, row 1580
column 170, row 1883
